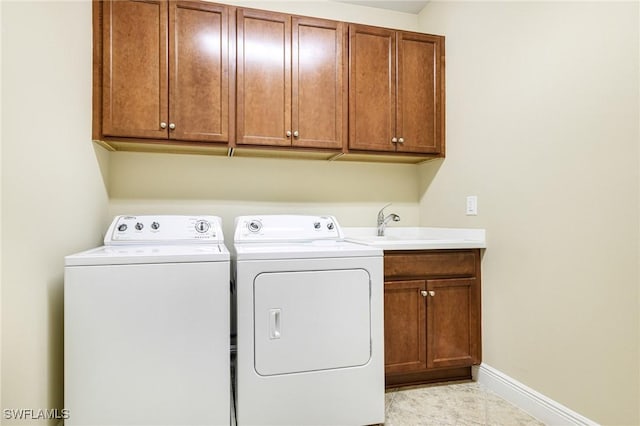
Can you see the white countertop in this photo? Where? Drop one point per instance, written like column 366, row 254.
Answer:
column 418, row 238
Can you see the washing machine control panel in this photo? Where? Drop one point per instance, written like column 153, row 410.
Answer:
column 164, row 229
column 286, row 228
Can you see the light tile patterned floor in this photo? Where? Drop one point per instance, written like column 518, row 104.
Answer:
column 458, row 404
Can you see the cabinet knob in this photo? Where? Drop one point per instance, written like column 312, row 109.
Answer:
column 394, row 139
column 432, row 293
column 296, row 134
column 288, row 133
column 163, row 125
column 172, row 126
column 423, row 293
column 401, row 140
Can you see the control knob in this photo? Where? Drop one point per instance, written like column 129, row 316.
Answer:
column 254, row 226
column 316, row 225
column 122, row 227
column 202, row 226
column 139, row 226
column 330, row 226
column 155, row 226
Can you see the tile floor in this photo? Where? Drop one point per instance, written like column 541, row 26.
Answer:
column 452, row 404
column 458, row 404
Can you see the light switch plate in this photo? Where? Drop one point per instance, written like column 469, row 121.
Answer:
column 472, row 205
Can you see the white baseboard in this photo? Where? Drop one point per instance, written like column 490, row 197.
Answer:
column 539, row 406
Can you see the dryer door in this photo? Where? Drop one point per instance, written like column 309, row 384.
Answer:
column 311, row 320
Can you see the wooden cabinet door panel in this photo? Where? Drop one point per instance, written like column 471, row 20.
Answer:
column 135, row 69
column 453, row 324
column 263, row 78
column 199, row 71
column 419, row 104
column 372, row 88
column 404, row 326
column 318, row 83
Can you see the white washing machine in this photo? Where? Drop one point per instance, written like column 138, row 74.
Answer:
column 146, row 322
column 310, row 345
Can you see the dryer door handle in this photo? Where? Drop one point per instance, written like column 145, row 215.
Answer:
column 274, row 323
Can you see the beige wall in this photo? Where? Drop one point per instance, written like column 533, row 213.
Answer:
column 54, row 200
column 1, row 174
column 229, row 187
column 542, row 125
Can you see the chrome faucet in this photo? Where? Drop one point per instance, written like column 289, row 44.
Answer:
column 382, row 220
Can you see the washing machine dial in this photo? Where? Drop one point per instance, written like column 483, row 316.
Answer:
column 122, row 227
column 330, row 226
column 254, row 226
column 139, row 226
column 316, row 225
column 202, row 226
column 155, row 226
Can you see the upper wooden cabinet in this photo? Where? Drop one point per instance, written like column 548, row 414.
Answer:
column 199, row 72
column 135, row 75
column 396, row 91
column 167, row 71
column 291, row 79
column 195, row 76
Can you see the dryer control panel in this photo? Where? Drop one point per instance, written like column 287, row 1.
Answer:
column 286, row 228
column 164, row 229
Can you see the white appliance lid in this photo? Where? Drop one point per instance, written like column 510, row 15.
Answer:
column 149, row 254
column 164, row 230
column 303, row 250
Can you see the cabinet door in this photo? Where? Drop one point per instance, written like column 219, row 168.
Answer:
column 420, row 120
column 135, row 69
column 453, row 323
column 263, row 78
column 318, row 83
column 199, row 71
column 372, row 88
column 404, row 326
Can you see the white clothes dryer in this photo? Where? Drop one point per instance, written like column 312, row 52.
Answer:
column 147, row 325
column 310, row 344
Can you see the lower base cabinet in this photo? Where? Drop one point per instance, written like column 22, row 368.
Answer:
column 432, row 315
